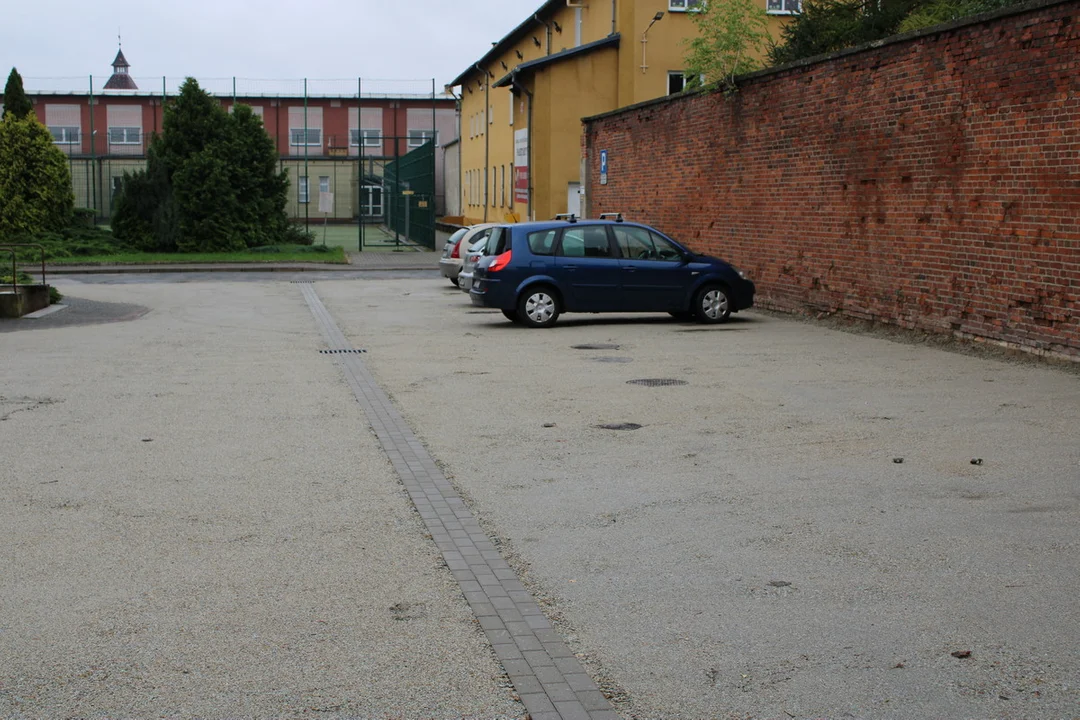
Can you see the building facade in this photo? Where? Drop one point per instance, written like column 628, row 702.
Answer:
column 522, row 102
column 337, row 144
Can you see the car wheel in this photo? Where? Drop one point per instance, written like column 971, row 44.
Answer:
column 712, row 305
column 454, row 282
column 511, row 315
column 538, row 307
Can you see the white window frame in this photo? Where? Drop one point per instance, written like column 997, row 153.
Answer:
column 424, row 136
column 368, row 137
column 674, row 73
column 126, row 133
column 512, row 98
column 66, row 134
column 784, row 7
column 324, row 183
column 294, row 138
column 685, row 5
column 302, row 195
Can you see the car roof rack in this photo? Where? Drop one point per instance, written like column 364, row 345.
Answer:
column 568, row 217
column 616, row 215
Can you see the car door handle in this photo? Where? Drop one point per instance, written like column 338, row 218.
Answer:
column 569, row 267
column 629, row 269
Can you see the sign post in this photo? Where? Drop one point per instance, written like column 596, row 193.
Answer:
column 326, row 206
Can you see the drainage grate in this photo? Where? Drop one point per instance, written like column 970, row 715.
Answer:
column 620, row 426
column 656, row 382
column 596, row 346
column 301, row 282
column 341, row 352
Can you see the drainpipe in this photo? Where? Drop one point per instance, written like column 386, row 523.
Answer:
column 613, row 16
column 536, row 17
column 487, row 137
column 528, row 143
column 461, row 179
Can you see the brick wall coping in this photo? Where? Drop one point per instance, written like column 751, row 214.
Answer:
column 1020, row 9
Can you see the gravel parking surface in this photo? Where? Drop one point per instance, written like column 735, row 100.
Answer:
column 197, row 522
column 799, row 530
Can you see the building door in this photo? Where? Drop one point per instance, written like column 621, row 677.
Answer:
column 573, row 198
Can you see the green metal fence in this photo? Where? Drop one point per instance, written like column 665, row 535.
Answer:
column 409, row 184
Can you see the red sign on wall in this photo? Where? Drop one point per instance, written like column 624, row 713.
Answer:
column 521, row 185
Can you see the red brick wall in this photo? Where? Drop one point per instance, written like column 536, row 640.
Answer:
column 933, row 182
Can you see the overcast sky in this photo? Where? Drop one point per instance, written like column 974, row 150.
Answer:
column 268, row 39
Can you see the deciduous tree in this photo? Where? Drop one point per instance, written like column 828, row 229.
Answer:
column 733, row 34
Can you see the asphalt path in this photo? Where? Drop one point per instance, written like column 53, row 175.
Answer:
column 800, row 522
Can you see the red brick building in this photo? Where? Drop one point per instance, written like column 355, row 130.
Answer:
column 331, row 142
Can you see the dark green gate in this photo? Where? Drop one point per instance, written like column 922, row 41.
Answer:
column 409, row 192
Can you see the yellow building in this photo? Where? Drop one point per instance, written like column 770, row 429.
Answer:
column 522, row 102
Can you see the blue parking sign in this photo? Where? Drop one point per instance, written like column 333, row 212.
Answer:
column 603, row 167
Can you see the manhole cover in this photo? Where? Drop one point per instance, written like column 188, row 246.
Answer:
column 613, row 359
column 620, row 426
column 341, row 352
column 301, row 282
column 656, row 382
column 596, row 346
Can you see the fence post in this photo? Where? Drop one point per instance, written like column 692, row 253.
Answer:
column 307, row 180
column 93, row 153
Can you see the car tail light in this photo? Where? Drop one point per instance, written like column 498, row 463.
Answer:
column 500, row 262
column 457, row 251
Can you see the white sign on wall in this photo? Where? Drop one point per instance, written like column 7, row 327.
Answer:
column 521, row 166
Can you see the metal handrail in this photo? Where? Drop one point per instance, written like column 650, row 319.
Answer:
column 12, row 247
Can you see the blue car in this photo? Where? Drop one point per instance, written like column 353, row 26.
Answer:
column 536, row 271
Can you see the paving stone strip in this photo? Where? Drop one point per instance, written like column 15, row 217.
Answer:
column 551, row 682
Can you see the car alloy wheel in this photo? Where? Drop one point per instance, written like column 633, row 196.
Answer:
column 713, row 305
column 538, row 308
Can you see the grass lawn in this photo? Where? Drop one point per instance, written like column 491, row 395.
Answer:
column 273, row 254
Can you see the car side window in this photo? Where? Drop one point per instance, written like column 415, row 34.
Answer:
column 664, row 248
column 588, row 241
column 635, row 243
column 542, row 242
column 638, row 243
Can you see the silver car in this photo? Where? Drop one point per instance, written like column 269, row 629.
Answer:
column 472, row 256
column 455, row 247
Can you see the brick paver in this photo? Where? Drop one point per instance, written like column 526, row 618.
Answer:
column 551, row 682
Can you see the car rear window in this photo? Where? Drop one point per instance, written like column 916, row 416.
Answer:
column 496, row 243
column 542, row 242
